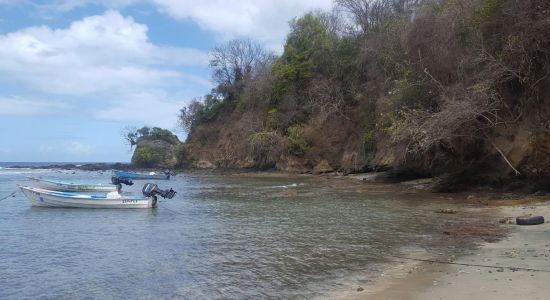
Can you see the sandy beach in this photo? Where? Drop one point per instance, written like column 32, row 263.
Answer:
column 501, row 272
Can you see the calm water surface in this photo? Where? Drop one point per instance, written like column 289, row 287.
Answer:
column 231, row 237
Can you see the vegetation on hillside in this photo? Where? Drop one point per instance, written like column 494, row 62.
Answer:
column 438, row 86
column 131, row 135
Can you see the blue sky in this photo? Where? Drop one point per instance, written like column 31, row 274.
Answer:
column 74, row 73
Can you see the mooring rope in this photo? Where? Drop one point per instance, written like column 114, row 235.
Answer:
column 471, row 265
column 12, row 194
column 169, row 209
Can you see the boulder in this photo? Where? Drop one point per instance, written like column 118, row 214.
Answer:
column 204, row 164
column 292, row 164
column 322, row 167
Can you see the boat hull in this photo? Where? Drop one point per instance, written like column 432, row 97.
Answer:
column 53, row 185
column 45, row 198
column 141, row 176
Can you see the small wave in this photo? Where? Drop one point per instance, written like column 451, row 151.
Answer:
column 284, row 186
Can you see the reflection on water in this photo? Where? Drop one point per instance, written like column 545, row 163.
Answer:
column 220, row 237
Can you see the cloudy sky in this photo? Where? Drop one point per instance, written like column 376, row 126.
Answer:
column 74, row 73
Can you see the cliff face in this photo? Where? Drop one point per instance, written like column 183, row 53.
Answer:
column 157, row 152
column 454, row 89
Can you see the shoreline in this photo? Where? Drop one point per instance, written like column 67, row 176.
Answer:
column 415, row 279
column 524, row 247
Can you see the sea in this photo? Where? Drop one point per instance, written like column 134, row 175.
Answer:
column 224, row 236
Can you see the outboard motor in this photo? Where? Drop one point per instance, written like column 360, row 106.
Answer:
column 152, row 190
column 119, row 181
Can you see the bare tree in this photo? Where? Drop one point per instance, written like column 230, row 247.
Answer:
column 235, row 62
column 325, row 99
column 370, row 14
column 130, row 135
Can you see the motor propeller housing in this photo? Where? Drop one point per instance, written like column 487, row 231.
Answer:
column 152, row 190
column 117, row 180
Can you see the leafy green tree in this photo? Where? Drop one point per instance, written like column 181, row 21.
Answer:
column 306, row 52
column 144, row 131
column 131, row 134
column 200, row 111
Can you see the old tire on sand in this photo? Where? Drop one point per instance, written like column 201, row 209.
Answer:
column 535, row 220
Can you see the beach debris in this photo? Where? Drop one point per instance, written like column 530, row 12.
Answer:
column 446, row 211
column 507, row 220
column 529, row 220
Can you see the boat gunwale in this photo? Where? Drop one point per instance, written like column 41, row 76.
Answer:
column 72, row 195
column 99, row 185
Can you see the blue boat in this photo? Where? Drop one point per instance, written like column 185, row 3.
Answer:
column 64, row 186
column 142, row 176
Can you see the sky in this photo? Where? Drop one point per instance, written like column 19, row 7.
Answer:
column 74, row 73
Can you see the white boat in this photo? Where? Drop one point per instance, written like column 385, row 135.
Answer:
column 47, row 198
column 64, row 186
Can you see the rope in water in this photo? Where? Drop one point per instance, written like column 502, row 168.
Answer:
column 12, row 194
column 472, row 265
column 169, row 209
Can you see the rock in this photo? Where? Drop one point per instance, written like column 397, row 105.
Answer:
column 292, row 164
column 247, row 163
column 156, row 152
column 322, row 167
column 470, row 197
column 360, row 289
column 446, row 211
column 204, row 164
column 507, row 220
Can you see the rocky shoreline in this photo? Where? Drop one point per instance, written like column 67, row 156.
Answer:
column 83, row 167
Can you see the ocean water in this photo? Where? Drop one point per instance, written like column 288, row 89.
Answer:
column 222, row 237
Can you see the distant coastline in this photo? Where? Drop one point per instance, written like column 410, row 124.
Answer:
column 86, row 166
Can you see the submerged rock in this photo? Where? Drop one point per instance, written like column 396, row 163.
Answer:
column 446, row 211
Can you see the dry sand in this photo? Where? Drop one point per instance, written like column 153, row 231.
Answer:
column 525, row 247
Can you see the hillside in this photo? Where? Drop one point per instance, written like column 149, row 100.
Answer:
column 458, row 89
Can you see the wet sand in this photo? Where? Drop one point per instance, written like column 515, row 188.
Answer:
column 525, row 247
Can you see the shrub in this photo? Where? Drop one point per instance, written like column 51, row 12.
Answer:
column 271, row 120
column 369, row 129
column 200, row 111
column 240, row 105
column 146, row 158
column 265, row 147
column 298, row 144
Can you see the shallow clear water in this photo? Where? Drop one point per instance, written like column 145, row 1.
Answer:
column 221, row 237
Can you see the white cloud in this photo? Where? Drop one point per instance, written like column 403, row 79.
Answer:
column 264, row 20
column 13, row 105
column 152, row 108
column 99, row 53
